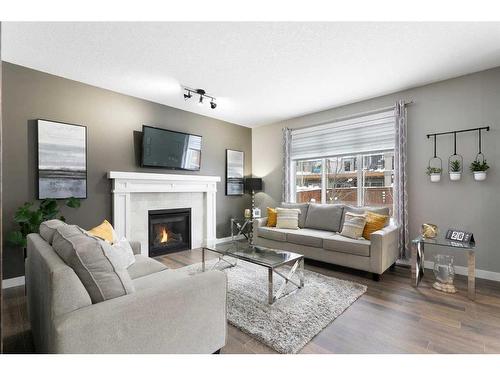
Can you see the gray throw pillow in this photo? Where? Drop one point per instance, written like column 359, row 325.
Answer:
column 324, row 217
column 94, row 261
column 303, row 211
column 48, row 228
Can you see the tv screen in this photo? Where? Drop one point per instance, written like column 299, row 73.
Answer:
column 170, row 149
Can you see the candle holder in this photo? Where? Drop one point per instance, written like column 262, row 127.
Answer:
column 445, row 273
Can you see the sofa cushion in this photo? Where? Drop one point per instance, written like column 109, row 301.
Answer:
column 347, row 245
column 272, row 217
column 362, row 210
column 324, row 217
column 309, row 237
column 303, row 207
column 275, row 234
column 94, row 262
column 48, row 228
column 143, row 266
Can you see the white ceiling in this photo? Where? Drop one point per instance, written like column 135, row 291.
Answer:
column 259, row 72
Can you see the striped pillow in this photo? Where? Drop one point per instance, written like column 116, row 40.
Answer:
column 353, row 225
column 288, row 218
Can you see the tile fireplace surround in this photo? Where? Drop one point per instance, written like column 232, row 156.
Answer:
column 134, row 194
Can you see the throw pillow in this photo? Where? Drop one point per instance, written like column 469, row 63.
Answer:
column 374, row 222
column 105, row 231
column 272, row 216
column 353, row 225
column 48, row 228
column 287, row 218
column 94, row 262
column 124, row 252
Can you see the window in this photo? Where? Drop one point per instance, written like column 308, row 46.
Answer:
column 362, row 177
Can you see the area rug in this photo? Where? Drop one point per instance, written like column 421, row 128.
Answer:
column 292, row 321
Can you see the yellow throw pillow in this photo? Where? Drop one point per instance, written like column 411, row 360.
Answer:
column 374, row 222
column 104, row 231
column 272, row 217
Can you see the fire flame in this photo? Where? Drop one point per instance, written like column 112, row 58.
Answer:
column 164, row 235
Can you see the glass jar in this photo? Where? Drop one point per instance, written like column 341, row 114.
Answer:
column 444, row 271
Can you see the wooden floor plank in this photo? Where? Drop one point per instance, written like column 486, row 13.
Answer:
column 391, row 317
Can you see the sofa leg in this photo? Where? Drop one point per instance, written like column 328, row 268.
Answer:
column 216, row 352
column 376, row 277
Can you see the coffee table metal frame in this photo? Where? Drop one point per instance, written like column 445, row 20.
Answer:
column 296, row 269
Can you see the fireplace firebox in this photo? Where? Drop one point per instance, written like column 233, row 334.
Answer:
column 169, row 231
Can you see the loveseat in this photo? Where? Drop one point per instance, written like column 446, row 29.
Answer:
column 168, row 312
column 318, row 238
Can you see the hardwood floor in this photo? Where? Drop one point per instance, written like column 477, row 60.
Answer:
column 391, row 317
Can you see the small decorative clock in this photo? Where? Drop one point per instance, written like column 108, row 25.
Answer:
column 459, row 236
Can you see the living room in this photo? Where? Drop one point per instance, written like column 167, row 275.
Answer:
column 250, row 188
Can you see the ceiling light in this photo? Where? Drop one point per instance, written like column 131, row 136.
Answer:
column 202, row 94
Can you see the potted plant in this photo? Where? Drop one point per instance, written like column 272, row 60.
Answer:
column 28, row 218
column 434, row 173
column 455, row 170
column 479, row 168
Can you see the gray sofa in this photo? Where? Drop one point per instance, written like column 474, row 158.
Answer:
column 169, row 312
column 318, row 238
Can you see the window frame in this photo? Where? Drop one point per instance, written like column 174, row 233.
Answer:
column 324, row 183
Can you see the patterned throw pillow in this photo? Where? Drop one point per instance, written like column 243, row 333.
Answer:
column 272, row 217
column 374, row 222
column 353, row 225
column 288, row 218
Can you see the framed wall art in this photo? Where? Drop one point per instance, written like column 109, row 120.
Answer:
column 62, row 160
column 235, row 161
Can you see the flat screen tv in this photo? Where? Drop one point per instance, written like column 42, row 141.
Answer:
column 170, row 149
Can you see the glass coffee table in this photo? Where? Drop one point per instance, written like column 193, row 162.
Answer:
column 269, row 258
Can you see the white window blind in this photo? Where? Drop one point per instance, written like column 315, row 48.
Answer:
column 367, row 133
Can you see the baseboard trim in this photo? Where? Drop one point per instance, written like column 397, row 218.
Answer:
column 13, row 282
column 228, row 239
column 461, row 270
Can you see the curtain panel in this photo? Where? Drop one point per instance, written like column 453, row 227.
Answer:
column 286, row 189
column 401, row 179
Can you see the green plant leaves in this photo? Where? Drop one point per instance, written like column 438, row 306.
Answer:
column 73, row 202
column 16, row 238
column 29, row 219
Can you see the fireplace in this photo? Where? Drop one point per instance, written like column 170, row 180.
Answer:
column 169, row 231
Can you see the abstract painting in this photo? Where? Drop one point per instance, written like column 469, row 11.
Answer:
column 234, row 172
column 62, row 160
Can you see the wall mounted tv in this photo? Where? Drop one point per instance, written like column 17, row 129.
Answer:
column 170, row 149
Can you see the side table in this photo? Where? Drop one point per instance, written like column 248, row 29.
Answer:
column 418, row 257
column 241, row 226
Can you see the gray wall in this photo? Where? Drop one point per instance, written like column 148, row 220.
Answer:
column 111, row 121
column 464, row 102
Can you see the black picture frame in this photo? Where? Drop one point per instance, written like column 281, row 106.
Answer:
column 235, row 169
column 75, row 178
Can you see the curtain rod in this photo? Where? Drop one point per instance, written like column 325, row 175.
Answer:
column 352, row 116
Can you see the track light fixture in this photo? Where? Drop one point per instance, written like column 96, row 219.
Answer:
column 188, row 94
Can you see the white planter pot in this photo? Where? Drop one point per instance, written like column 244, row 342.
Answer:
column 479, row 176
column 435, row 177
column 455, row 176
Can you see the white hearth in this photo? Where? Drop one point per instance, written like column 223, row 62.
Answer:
column 134, row 194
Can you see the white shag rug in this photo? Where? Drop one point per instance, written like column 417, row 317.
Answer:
column 292, row 321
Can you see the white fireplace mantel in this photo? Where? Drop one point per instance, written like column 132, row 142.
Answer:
column 127, row 183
